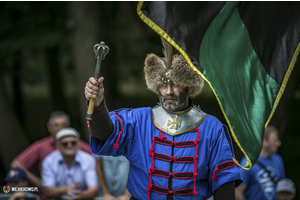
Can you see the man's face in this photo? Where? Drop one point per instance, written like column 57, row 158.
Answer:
column 57, row 123
column 68, row 145
column 173, row 98
column 273, row 142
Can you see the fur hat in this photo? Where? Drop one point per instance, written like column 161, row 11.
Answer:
column 175, row 68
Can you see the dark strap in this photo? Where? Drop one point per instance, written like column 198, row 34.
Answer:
column 268, row 172
column 177, row 175
column 172, row 143
column 185, row 159
column 167, row 191
column 133, row 198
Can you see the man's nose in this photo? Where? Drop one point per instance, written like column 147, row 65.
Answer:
column 70, row 144
column 170, row 89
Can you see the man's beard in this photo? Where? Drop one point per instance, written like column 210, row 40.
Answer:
column 177, row 105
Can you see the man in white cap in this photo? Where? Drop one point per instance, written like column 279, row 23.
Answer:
column 285, row 189
column 69, row 172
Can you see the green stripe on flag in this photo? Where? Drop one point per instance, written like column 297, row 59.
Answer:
column 227, row 52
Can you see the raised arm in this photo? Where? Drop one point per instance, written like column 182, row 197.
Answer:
column 100, row 126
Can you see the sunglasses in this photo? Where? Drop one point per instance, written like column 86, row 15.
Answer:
column 66, row 144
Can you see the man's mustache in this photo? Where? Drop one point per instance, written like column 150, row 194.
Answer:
column 170, row 97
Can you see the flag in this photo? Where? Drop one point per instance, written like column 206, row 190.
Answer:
column 245, row 51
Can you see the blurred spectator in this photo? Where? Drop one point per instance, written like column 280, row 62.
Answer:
column 285, row 189
column 69, row 172
column 112, row 175
column 15, row 178
column 37, row 151
column 260, row 181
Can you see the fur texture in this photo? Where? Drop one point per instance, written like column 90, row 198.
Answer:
column 180, row 73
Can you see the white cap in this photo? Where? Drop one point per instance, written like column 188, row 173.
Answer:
column 67, row 132
column 285, row 185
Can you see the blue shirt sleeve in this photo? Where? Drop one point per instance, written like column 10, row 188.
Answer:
column 47, row 175
column 120, row 141
column 221, row 161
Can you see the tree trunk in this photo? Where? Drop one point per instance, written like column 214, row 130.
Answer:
column 18, row 97
column 13, row 139
column 83, row 22
column 55, row 82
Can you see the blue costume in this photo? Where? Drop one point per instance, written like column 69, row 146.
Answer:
column 259, row 184
column 187, row 155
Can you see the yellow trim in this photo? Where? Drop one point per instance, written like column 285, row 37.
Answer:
column 162, row 33
column 284, row 82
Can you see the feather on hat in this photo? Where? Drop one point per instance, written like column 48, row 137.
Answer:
column 159, row 71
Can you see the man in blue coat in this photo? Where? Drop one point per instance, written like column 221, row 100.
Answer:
column 176, row 151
